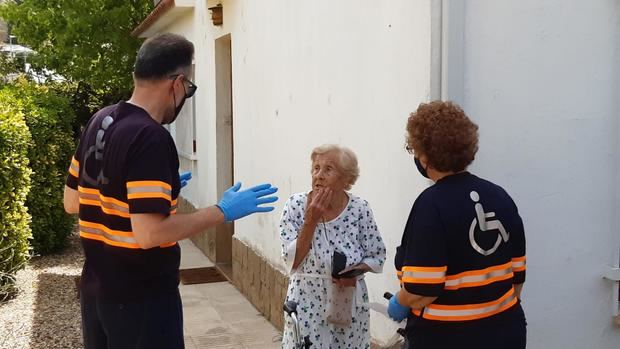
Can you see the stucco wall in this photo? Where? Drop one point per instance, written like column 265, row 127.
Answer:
column 542, row 80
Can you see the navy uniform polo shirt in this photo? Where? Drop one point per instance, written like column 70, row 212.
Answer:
column 463, row 243
column 125, row 163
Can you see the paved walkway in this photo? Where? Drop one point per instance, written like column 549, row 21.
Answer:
column 217, row 315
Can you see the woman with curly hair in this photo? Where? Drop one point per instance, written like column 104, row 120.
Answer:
column 461, row 261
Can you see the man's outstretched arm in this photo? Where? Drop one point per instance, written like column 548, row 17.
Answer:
column 152, row 230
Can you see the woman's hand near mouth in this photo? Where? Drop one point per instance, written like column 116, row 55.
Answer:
column 318, row 202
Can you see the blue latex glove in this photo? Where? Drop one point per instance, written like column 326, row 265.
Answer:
column 237, row 204
column 185, row 177
column 396, row 311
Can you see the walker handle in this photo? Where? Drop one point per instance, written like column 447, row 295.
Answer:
column 290, row 307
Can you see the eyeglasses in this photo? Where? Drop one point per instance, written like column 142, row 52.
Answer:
column 191, row 89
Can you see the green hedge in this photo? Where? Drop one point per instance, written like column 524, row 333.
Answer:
column 49, row 118
column 14, row 187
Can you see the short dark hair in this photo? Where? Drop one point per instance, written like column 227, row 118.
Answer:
column 444, row 134
column 162, row 55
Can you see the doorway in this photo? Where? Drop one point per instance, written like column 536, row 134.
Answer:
column 225, row 148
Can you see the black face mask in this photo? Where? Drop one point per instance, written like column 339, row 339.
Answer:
column 177, row 109
column 421, row 168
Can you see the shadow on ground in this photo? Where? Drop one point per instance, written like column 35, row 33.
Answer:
column 56, row 322
column 56, row 310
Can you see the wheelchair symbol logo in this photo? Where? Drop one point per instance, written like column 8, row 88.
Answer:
column 97, row 149
column 486, row 226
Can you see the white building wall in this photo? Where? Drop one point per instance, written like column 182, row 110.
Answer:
column 540, row 78
column 542, row 81
column 184, row 26
column 308, row 73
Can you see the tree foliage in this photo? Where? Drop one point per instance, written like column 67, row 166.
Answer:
column 87, row 41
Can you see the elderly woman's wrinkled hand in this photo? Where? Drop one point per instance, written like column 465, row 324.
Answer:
column 363, row 267
column 352, row 281
column 318, row 201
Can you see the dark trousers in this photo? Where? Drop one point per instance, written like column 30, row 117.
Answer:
column 156, row 322
column 507, row 332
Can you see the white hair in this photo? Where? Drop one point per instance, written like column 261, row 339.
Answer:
column 347, row 161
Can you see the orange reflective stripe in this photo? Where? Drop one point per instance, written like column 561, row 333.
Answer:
column 479, row 271
column 423, row 280
column 74, row 167
column 484, row 282
column 426, row 269
column 104, row 209
column 113, row 201
column 481, row 277
column 111, row 206
column 107, row 230
column 472, row 306
column 467, row 312
column 149, row 190
column 88, row 190
column 399, row 275
column 135, row 184
column 108, row 199
column 100, row 232
column 149, row 196
column 90, row 202
column 518, row 264
column 107, row 241
column 424, row 275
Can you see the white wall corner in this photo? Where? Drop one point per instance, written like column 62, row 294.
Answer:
column 436, row 37
column 447, row 50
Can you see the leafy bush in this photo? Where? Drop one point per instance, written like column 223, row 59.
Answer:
column 14, row 187
column 49, row 119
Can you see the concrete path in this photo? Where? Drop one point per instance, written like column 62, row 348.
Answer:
column 217, row 315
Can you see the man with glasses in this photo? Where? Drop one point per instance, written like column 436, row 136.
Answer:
column 124, row 183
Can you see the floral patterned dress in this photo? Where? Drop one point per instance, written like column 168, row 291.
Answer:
column 354, row 233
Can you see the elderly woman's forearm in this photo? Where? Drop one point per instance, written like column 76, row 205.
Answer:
column 304, row 242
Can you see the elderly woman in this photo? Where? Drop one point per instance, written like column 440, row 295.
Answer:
column 462, row 256
column 315, row 226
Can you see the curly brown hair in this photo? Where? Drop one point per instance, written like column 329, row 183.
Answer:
column 444, row 134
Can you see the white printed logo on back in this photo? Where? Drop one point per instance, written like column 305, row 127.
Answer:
column 485, row 226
